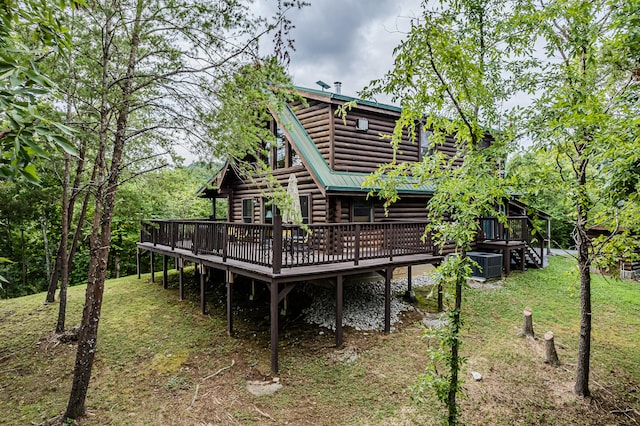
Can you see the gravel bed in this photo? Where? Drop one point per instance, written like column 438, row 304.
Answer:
column 363, row 307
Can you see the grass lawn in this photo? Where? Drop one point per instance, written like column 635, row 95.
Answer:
column 157, row 358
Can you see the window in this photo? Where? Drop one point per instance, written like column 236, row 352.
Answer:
column 304, row 208
column 295, row 158
column 281, row 149
column 247, row 210
column 426, row 148
column 362, row 211
column 269, row 211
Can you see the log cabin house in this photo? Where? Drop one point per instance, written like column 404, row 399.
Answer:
column 330, row 159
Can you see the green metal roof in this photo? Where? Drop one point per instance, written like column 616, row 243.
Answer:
column 345, row 98
column 329, row 179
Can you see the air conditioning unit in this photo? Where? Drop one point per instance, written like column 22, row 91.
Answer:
column 491, row 264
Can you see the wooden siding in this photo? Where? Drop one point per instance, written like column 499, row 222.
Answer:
column 404, row 210
column 306, row 186
column 316, row 120
column 363, row 151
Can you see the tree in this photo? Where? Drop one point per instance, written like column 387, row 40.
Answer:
column 153, row 68
column 586, row 113
column 449, row 76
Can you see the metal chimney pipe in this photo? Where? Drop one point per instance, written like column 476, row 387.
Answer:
column 338, row 86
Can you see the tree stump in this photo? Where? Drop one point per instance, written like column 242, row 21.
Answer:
column 551, row 356
column 527, row 326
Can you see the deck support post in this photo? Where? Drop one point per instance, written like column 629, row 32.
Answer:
column 252, row 296
column 522, row 259
column 181, row 277
column 339, row 301
column 153, row 272
column 274, row 327
column 409, row 295
column 230, row 280
column 165, row 284
column 203, row 302
column 387, row 300
column 506, row 260
column 138, row 261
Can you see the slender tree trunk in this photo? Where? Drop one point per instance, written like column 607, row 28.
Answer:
column 64, row 241
column 47, row 254
column 584, row 265
column 584, row 347
column 55, row 276
column 101, row 235
column 454, row 365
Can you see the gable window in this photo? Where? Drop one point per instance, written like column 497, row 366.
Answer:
column 362, row 211
column 281, row 149
column 247, row 210
column 281, row 155
column 426, row 148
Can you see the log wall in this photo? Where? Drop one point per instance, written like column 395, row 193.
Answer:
column 306, row 186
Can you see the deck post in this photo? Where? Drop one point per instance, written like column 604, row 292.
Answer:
column 277, row 244
column 522, row 262
column 506, row 259
column 165, row 284
column 138, row 261
column 339, row 301
column 356, row 249
column 203, row 302
column 153, row 272
column 230, row 280
column 181, row 277
column 274, row 326
column 387, row 300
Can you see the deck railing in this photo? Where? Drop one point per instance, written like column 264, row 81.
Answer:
column 287, row 246
column 517, row 228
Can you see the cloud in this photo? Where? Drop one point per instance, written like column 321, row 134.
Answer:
column 345, row 40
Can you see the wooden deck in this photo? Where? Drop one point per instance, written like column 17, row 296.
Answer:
column 282, row 256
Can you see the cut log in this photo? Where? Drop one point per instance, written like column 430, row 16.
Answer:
column 527, row 326
column 551, row 356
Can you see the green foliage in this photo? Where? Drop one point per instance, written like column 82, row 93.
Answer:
column 536, row 175
column 451, row 75
column 30, row 31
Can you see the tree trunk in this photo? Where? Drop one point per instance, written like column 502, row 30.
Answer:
column 454, row 365
column 584, row 265
column 101, row 234
column 64, row 241
column 551, row 356
column 527, row 323
column 116, row 265
column 55, row 276
column 47, row 254
column 584, row 347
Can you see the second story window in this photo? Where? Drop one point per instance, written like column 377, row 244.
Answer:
column 425, row 144
column 281, row 149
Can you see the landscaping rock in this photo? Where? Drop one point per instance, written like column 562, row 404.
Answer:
column 261, row 388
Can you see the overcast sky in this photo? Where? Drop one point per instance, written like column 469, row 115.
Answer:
column 351, row 41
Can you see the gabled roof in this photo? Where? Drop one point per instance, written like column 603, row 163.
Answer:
column 330, row 180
